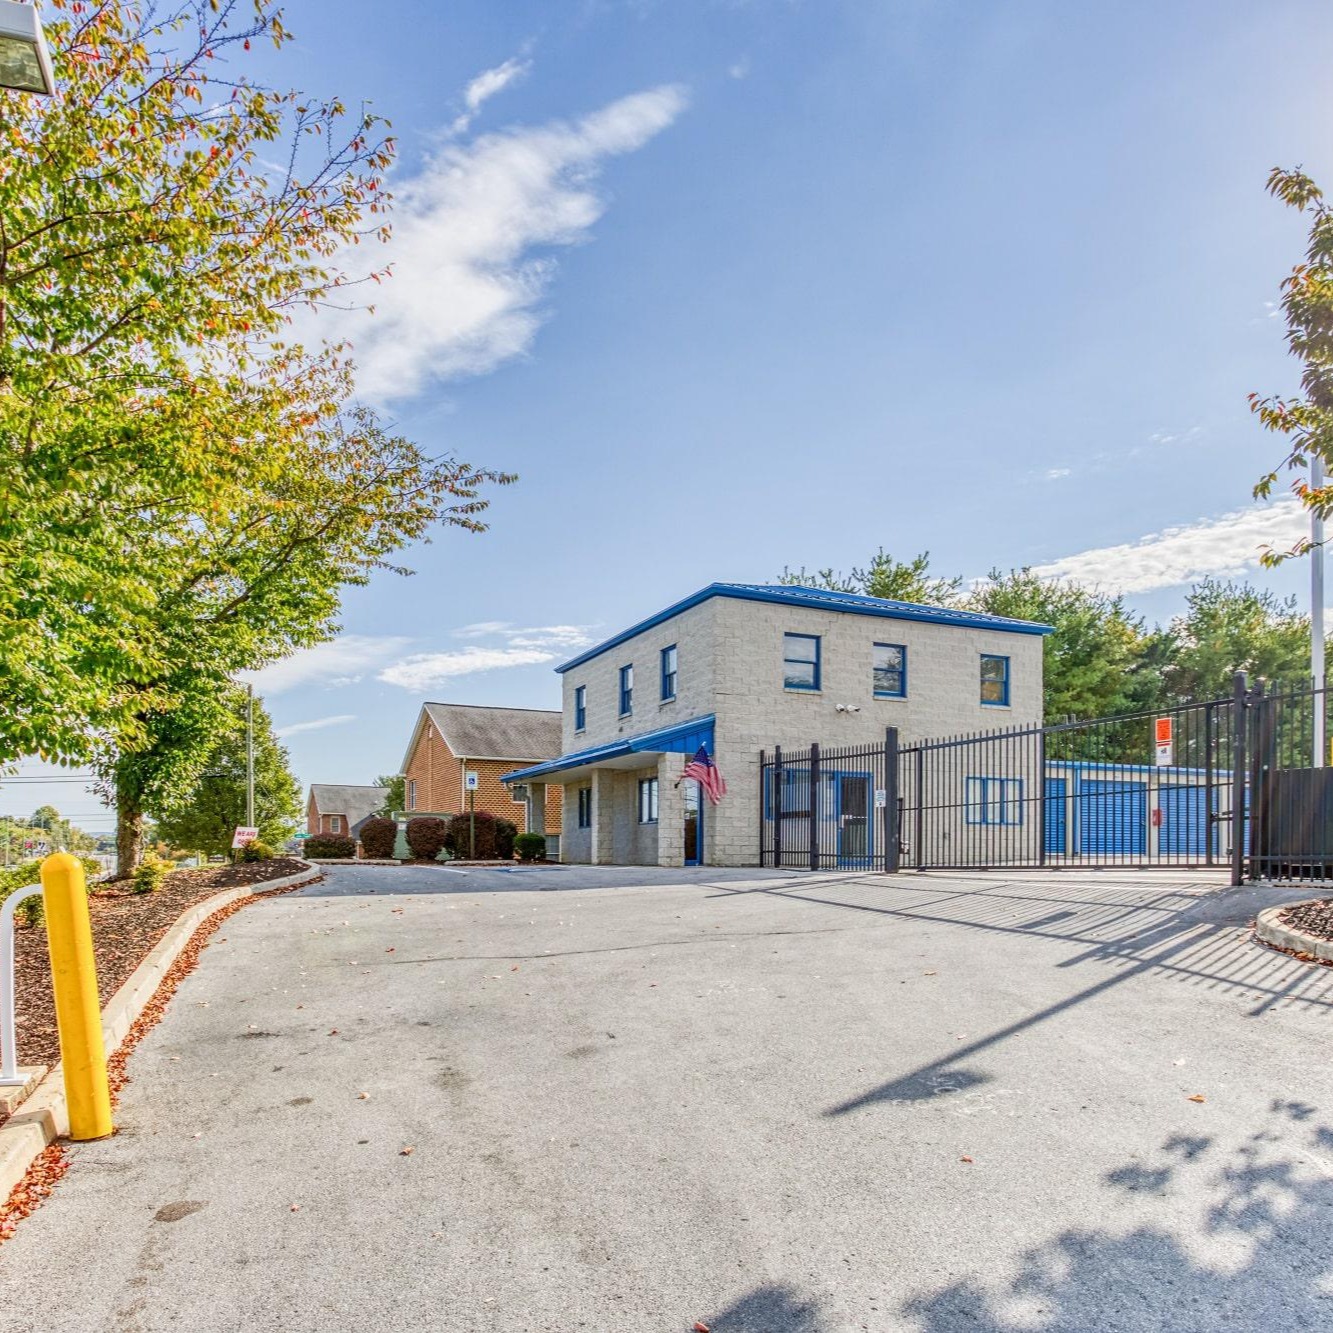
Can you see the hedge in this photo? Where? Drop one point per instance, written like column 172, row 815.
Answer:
column 460, row 839
column 427, row 836
column 256, row 851
column 378, row 836
column 530, row 846
column 329, row 847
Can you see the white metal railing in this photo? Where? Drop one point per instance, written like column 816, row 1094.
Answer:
column 9, row 1054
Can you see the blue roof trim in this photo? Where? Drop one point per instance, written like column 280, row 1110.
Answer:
column 664, row 738
column 819, row 599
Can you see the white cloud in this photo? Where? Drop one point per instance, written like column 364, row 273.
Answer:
column 486, row 85
column 469, row 229
column 570, row 637
column 424, row 671
column 341, row 662
column 1224, row 547
column 740, row 69
column 317, row 724
column 1174, row 437
column 1056, row 473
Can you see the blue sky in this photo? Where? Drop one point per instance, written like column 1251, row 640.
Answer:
column 738, row 285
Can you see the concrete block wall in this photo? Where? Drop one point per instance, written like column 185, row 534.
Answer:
column 693, row 634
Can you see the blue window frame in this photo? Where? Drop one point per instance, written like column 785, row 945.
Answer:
column 800, row 661
column 889, row 671
column 580, row 707
column 627, row 690
column 994, row 680
column 585, row 807
column 994, row 801
column 668, row 673
column 794, row 794
column 647, row 800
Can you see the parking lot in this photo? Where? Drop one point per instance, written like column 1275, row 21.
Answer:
column 566, row 1098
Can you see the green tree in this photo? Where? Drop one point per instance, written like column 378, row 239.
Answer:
column 1306, row 422
column 1229, row 627
column 397, row 785
column 1092, row 661
column 186, row 492
column 205, row 818
column 897, row 580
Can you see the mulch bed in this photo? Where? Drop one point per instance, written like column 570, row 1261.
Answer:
column 126, row 926
column 1314, row 918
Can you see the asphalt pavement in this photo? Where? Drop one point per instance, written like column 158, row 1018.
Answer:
column 571, row 1098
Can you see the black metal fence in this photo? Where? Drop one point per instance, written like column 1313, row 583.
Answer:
column 831, row 808
column 1236, row 783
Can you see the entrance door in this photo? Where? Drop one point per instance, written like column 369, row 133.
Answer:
column 854, row 827
column 694, row 825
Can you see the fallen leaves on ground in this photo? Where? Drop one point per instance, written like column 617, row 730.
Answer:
column 1198, row 1097
column 965, row 1159
column 406, row 1152
column 37, row 1183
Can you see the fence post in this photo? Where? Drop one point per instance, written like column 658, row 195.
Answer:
column 891, row 800
column 1210, row 817
column 919, row 819
column 777, row 807
column 763, row 808
column 815, row 811
column 1239, row 724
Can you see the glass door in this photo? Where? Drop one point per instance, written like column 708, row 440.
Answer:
column 854, row 830
column 694, row 828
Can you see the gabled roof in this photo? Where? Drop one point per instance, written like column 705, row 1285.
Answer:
column 472, row 731
column 356, row 803
column 821, row 599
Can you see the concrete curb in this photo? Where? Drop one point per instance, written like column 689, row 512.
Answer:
column 42, row 1117
column 1268, row 928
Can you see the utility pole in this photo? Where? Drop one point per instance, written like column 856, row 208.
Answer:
column 1317, row 611
column 250, row 756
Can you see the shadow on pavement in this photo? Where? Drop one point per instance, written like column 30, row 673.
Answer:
column 771, row 1308
column 1250, row 1250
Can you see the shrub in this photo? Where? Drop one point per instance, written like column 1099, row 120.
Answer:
column 460, row 836
column 378, row 837
column 426, row 836
column 330, row 847
column 152, row 870
column 257, row 851
column 530, row 846
column 505, row 833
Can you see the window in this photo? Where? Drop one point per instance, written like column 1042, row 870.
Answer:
column 889, row 672
column 793, row 797
column 800, row 661
column 335, row 823
column 580, row 707
column 668, row 673
column 994, row 801
column 626, row 690
column 585, row 807
column 994, row 680
column 647, row 800
column 412, row 794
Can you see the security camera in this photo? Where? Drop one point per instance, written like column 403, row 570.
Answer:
column 846, row 708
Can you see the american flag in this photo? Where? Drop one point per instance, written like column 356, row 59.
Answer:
column 704, row 771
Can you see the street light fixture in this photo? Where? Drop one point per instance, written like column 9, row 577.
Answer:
column 25, row 63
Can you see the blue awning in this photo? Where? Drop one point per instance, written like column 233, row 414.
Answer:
column 683, row 738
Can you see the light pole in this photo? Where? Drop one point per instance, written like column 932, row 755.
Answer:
column 249, row 756
column 25, row 63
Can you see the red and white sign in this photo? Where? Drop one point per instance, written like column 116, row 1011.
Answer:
column 242, row 837
column 1165, row 746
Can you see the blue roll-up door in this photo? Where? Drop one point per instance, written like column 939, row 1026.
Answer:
column 1112, row 817
column 1184, row 830
column 1055, row 816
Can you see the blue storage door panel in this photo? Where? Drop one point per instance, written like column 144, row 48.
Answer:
column 1184, row 830
column 1112, row 817
column 1055, row 817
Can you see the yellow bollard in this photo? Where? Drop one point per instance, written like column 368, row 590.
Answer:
column 69, row 937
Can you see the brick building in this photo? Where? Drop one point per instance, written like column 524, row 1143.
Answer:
column 451, row 740
column 739, row 668
column 340, row 809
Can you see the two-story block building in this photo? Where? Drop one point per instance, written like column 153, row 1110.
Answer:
column 739, row 668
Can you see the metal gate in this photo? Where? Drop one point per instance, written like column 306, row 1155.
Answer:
column 1238, row 783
